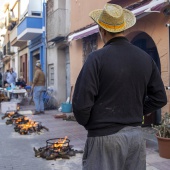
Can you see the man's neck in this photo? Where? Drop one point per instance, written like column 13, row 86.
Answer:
column 109, row 36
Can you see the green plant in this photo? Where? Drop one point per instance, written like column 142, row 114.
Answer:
column 163, row 130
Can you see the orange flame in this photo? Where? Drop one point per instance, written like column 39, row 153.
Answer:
column 11, row 114
column 18, row 107
column 21, row 119
column 59, row 144
column 28, row 125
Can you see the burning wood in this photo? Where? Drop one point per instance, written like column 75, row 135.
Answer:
column 56, row 148
column 23, row 124
column 11, row 114
column 29, row 126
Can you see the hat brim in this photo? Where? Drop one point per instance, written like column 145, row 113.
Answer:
column 129, row 19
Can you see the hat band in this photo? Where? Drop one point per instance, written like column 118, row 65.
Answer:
column 112, row 26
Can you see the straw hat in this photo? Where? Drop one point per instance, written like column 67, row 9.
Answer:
column 113, row 18
column 38, row 65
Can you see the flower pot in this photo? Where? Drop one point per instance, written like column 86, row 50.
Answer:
column 164, row 147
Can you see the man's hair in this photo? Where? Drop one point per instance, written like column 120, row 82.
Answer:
column 114, row 33
column 111, row 33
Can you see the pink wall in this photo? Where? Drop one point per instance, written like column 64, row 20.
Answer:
column 80, row 12
column 152, row 24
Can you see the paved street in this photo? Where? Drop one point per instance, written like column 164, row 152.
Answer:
column 16, row 151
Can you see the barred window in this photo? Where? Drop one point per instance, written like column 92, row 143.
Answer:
column 89, row 45
column 51, row 74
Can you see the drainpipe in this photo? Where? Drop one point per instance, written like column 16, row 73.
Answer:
column 45, row 38
column 168, row 25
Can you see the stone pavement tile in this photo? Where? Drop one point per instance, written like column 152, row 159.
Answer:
column 155, row 158
column 163, row 165
column 25, row 112
column 151, row 168
column 152, row 144
column 16, row 151
column 151, row 147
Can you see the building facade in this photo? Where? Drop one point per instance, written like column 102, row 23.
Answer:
column 150, row 33
column 10, row 56
column 31, row 29
column 58, row 62
column 24, row 36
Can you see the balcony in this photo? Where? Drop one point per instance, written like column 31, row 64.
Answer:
column 13, row 38
column 29, row 28
column 9, row 49
column 57, row 24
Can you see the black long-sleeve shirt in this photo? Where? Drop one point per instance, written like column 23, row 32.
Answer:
column 116, row 86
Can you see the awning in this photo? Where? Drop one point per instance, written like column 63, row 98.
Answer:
column 84, row 33
column 153, row 6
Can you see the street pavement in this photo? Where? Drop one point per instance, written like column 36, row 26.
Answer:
column 16, row 151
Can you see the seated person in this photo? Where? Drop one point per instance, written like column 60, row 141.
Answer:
column 21, row 82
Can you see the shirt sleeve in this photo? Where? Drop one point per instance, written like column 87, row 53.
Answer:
column 86, row 88
column 156, row 95
column 14, row 75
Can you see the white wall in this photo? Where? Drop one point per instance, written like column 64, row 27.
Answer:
column 35, row 5
column 52, row 59
column 29, row 6
column 58, row 58
column 61, row 77
column 23, row 7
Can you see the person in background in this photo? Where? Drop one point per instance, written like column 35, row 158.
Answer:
column 38, row 87
column 11, row 76
column 116, row 86
column 1, row 79
column 21, row 82
column 5, row 77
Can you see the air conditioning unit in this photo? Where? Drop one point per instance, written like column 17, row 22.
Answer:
column 36, row 13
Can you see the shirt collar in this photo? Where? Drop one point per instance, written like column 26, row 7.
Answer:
column 115, row 39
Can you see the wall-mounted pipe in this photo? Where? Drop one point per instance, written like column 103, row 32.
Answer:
column 168, row 25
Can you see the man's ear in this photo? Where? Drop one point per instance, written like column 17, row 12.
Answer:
column 104, row 32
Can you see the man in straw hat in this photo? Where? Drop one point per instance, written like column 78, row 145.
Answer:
column 38, row 87
column 116, row 86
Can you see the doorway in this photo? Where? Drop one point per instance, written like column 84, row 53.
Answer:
column 146, row 43
column 23, row 66
column 36, row 57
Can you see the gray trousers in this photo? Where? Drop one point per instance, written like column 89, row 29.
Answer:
column 124, row 150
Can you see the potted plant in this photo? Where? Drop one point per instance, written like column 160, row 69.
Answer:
column 163, row 136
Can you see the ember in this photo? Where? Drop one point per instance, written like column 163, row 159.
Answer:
column 11, row 114
column 28, row 127
column 56, row 148
column 23, row 124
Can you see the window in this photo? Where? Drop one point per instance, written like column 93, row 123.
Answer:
column 38, row 14
column 51, row 74
column 89, row 45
